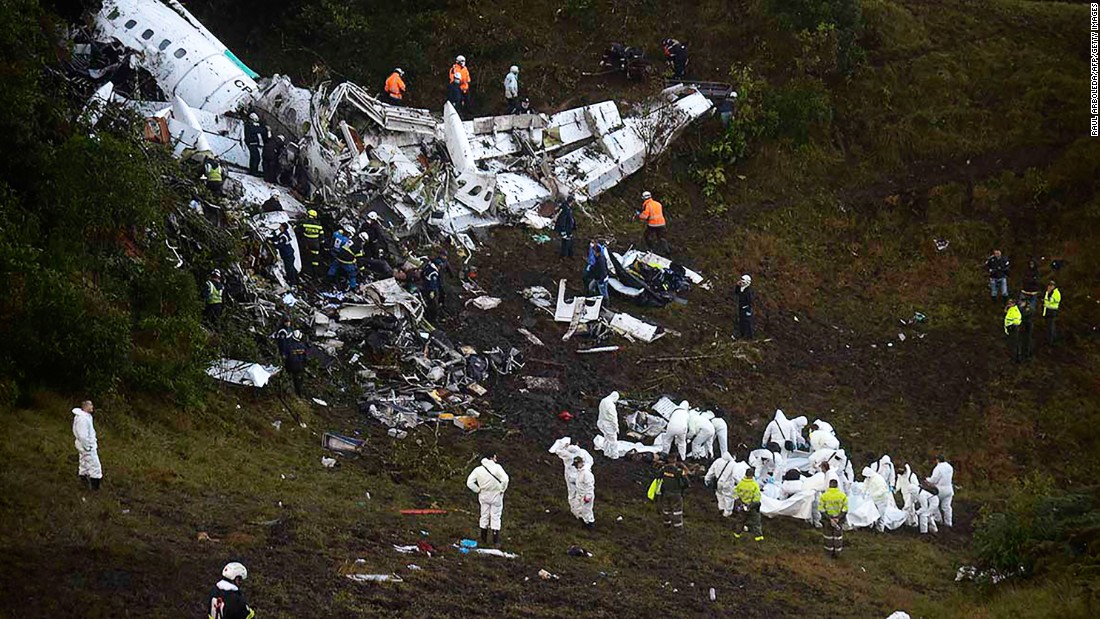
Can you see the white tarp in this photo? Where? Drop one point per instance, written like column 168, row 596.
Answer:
column 242, row 372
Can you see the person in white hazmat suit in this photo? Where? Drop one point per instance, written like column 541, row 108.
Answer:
column 822, row 436
column 928, row 507
column 943, row 478
column 768, row 465
column 799, row 426
column 780, row 431
column 875, row 487
column 564, row 449
column 885, row 467
column 584, row 497
column 701, row 433
column 608, row 424
column 909, row 487
column 721, row 432
column 489, row 482
column 87, row 446
column 675, row 432
column 724, row 474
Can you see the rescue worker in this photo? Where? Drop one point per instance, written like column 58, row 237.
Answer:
column 394, row 90
column 653, row 214
column 566, row 226
column 721, row 432
column 1051, row 301
column 701, row 433
column 876, row 488
column 376, row 237
column 524, row 106
column 285, row 246
column 1030, row 290
column 283, row 334
column 212, row 295
column 822, row 436
column 569, row 453
column 226, row 600
column 928, row 506
column 583, row 502
column 273, row 150
column 454, row 93
column 997, row 265
column 431, row 289
column 1027, row 327
column 215, row 175
column 747, row 505
column 885, row 467
column 295, row 360
column 597, row 272
column 768, row 463
column 511, row 89
column 489, row 482
column 461, row 75
column 725, row 472
column 943, row 475
column 1013, row 319
column 608, row 424
column 87, row 447
column 676, row 54
column 340, row 238
column 675, row 431
column 745, row 297
column 673, row 480
column 909, row 487
column 780, row 431
column 833, row 510
column 255, row 133
column 309, row 242
column 346, row 260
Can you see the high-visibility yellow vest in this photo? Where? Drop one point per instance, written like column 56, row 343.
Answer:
column 833, row 502
column 215, row 296
column 748, row 491
column 1052, row 300
column 1012, row 317
column 214, row 173
column 312, row 229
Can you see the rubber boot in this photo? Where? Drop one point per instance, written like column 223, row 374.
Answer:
column 591, row 526
column 496, row 538
column 95, row 483
column 484, row 536
column 86, row 482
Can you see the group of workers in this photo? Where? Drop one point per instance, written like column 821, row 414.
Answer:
column 1021, row 312
column 458, row 89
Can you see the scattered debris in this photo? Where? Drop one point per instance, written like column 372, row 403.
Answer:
column 941, row 244
column 577, row 551
column 203, row 536
column 328, row 463
column 632, row 328
column 598, row 349
column 545, row 575
column 345, row 444
column 531, row 337
column 375, row 578
column 242, row 372
column 540, row 238
column 319, row 401
column 540, row 383
column 422, row 512
column 484, row 302
column 540, row 297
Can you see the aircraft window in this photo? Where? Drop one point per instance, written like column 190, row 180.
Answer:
column 180, row 53
column 148, row 34
column 129, row 24
column 164, row 45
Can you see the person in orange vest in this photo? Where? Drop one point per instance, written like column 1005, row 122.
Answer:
column 395, row 87
column 461, row 75
column 653, row 214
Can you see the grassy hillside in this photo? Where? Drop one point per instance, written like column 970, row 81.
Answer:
column 956, row 120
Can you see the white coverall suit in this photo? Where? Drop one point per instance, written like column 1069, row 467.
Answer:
column 928, row 507
column 879, row 492
column 584, row 497
column 823, row 437
column 490, row 482
column 727, row 472
column 767, row 464
column 86, row 445
column 780, row 431
column 567, row 452
column 675, row 432
column 608, row 425
column 721, row 432
column 942, row 478
column 702, row 434
column 909, row 487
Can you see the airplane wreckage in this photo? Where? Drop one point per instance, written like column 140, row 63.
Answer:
column 412, row 166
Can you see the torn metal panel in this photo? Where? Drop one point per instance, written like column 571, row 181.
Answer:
column 628, row 325
column 476, row 190
column 359, row 311
column 242, row 372
column 390, row 295
column 582, row 123
column 665, row 407
column 564, row 311
column 521, row 194
column 457, row 141
column 343, row 444
column 656, row 260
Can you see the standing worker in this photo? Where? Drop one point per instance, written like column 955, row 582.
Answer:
column 489, row 482
column 295, row 360
column 943, row 476
column 309, row 243
column 460, row 75
column 1051, row 301
column 272, row 153
column 394, row 89
column 672, row 479
column 653, row 214
column 212, row 295
column 834, row 510
column 346, row 260
column 747, row 504
column 285, row 247
column 997, row 265
column 511, row 89
column 583, row 502
column 745, row 297
column 87, row 447
column 226, row 600
column 215, row 175
column 676, row 54
column 1027, row 327
column 876, row 487
column 608, row 423
column 1030, row 290
column 726, row 472
column 597, row 271
column 1013, row 319
column 566, row 226
column 254, row 136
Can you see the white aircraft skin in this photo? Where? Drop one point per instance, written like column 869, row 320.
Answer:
column 186, row 59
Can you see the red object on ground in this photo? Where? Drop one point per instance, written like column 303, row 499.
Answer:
column 565, row 416
column 420, row 512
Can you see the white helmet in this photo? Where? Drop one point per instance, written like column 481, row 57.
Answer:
column 233, row 571
column 253, row 117
column 364, row 236
column 460, row 59
column 216, row 273
column 746, row 278
column 514, row 69
column 375, row 216
column 399, row 71
column 297, row 334
column 646, row 195
column 351, row 231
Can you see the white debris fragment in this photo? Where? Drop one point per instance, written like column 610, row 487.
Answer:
column 484, row 302
column 328, row 463
column 242, row 372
